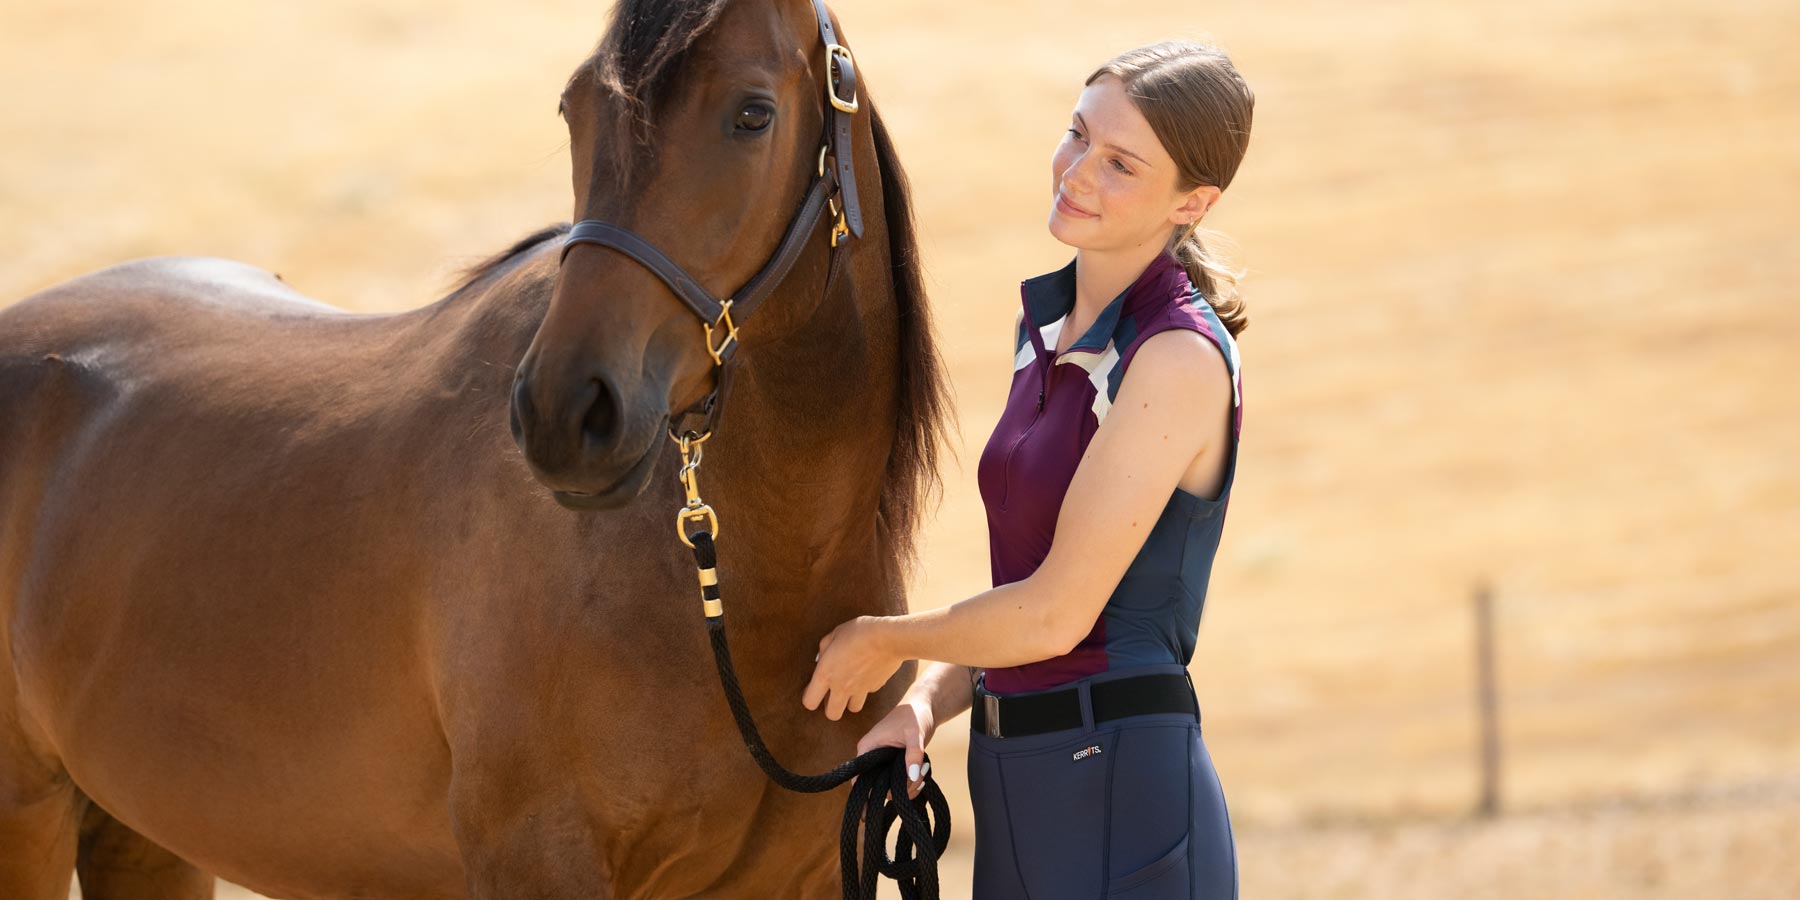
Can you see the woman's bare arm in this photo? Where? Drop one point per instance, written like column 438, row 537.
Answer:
column 947, row 689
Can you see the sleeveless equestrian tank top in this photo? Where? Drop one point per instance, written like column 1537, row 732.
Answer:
column 1052, row 411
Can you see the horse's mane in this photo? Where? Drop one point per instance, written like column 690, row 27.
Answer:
column 634, row 60
column 912, row 475
column 470, row 274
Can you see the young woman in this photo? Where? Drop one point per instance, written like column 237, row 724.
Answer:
column 1106, row 483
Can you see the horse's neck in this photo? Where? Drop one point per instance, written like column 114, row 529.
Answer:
column 800, row 456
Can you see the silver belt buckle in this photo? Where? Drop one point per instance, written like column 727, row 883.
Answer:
column 991, row 710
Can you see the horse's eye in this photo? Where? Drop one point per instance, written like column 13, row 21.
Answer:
column 755, row 116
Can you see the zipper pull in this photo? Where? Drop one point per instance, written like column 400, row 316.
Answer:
column 1040, row 399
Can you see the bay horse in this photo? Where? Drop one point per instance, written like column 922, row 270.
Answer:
column 340, row 605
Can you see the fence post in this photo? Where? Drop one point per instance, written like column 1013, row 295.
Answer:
column 1487, row 703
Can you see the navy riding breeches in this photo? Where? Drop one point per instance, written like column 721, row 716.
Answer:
column 1130, row 809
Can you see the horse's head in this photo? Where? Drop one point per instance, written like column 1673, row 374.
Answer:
column 697, row 126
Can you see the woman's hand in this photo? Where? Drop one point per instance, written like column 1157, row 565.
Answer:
column 910, row 726
column 853, row 661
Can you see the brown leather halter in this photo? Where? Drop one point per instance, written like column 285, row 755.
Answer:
column 827, row 187
column 880, row 773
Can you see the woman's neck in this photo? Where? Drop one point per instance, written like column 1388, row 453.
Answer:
column 1101, row 274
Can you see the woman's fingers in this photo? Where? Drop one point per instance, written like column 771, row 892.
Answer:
column 916, row 773
column 879, row 736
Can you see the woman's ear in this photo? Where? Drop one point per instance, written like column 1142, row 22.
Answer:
column 1195, row 205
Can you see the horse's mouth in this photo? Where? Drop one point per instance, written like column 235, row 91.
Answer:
column 618, row 493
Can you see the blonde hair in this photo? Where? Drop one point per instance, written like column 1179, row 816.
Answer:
column 1200, row 109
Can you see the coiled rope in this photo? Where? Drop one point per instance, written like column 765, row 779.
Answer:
column 879, row 793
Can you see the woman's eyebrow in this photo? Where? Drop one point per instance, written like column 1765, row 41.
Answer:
column 1113, row 146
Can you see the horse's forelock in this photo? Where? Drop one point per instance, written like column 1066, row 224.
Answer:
column 636, row 59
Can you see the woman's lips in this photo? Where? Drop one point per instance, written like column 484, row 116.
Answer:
column 1071, row 209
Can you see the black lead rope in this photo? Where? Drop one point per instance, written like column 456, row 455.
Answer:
column 879, row 792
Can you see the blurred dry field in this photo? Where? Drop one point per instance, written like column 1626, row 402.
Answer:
column 1522, row 313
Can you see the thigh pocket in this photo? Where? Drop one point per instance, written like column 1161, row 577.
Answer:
column 1151, row 811
column 1056, row 803
column 1166, row 878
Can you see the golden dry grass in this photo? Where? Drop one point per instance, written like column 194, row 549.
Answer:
column 1521, row 289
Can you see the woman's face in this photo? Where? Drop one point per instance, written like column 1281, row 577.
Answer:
column 1112, row 184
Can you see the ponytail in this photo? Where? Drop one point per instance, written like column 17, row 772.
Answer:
column 1217, row 283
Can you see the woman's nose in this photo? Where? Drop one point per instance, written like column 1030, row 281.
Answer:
column 1076, row 175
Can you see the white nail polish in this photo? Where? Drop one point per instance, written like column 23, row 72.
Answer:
column 912, row 772
column 927, row 769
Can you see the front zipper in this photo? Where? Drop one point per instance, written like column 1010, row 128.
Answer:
column 1006, row 464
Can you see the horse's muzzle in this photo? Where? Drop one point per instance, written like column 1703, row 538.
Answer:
column 583, row 456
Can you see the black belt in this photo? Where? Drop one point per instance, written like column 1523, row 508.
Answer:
column 1023, row 714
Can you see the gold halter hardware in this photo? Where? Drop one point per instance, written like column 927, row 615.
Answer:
column 834, row 52
column 694, row 509
column 689, row 475
column 840, row 229
column 731, row 333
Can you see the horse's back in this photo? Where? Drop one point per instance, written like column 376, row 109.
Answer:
column 73, row 351
column 118, row 289
column 82, row 333
column 94, row 368
column 174, row 377
column 210, row 525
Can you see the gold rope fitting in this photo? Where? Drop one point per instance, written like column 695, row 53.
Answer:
column 710, row 578
column 690, row 480
column 699, row 512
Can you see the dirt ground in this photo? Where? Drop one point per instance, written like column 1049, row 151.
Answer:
column 1520, row 280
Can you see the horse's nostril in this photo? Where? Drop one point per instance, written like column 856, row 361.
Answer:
column 598, row 424
column 520, row 397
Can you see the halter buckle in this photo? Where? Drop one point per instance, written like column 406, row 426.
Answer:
column 832, row 52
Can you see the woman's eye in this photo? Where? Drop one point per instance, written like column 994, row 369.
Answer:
column 1075, row 133
column 755, row 116
column 1121, row 167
